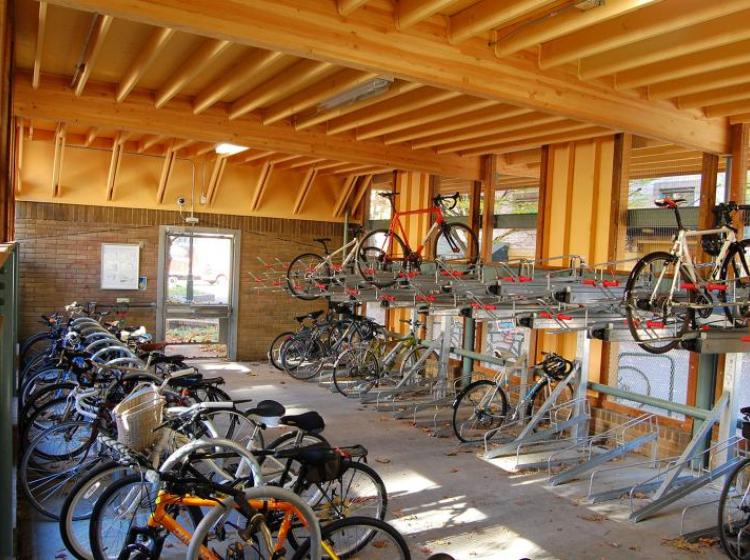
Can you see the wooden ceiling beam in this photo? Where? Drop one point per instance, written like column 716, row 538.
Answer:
column 166, row 172
column 698, row 83
column 41, row 30
column 332, row 165
column 91, row 135
column 339, row 82
column 728, row 109
column 488, row 130
column 193, row 65
column 251, row 64
column 664, row 158
column 398, row 87
column 715, row 33
column 344, row 195
column 19, row 140
column 518, row 135
column 93, row 47
column 346, row 7
column 471, row 68
column 114, row 163
column 715, row 96
column 488, row 14
column 397, row 106
column 217, row 174
column 523, row 158
column 536, row 142
column 154, row 45
column 289, row 80
column 202, row 148
column 564, row 23
column 411, row 12
column 684, row 66
column 281, row 158
column 304, row 190
column 261, row 185
column 305, row 162
column 254, row 156
column 365, row 170
column 629, row 29
column 443, row 110
column 57, row 159
column 137, row 113
column 364, row 185
column 148, row 142
column 475, row 118
column 656, row 150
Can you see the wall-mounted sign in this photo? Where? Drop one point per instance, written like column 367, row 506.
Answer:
column 120, row 266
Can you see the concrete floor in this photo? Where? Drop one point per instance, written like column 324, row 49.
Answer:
column 446, row 499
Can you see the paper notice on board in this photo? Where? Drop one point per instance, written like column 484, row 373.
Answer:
column 120, row 266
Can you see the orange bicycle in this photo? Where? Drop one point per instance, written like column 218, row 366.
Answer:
column 384, row 255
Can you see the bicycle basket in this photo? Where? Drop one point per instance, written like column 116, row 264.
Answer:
column 328, row 465
column 138, row 416
column 711, row 244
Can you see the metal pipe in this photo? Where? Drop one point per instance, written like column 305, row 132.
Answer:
column 684, row 409
column 468, row 345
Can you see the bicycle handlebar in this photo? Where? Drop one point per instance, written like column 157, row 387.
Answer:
column 438, row 200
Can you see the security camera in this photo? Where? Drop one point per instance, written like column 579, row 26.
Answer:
column 180, row 201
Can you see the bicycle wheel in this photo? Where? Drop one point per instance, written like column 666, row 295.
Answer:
column 456, row 244
column 365, row 537
column 657, row 316
column 308, row 276
column 40, row 379
column 381, row 256
column 482, row 406
column 50, row 414
column 735, row 275
column 734, row 512
column 35, row 344
column 39, row 398
column 274, row 350
column 355, row 372
column 77, row 508
column 302, row 358
column 54, row 462
column 420, row 365
column 561, row 411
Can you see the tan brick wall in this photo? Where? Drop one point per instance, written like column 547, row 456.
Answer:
column 60, row 247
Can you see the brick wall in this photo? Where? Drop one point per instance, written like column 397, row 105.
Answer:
column 60, row 247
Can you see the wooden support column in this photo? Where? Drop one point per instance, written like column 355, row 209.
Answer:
column 619, row 210
column 166, row 173
column 114, row 164
column 489, row 175
column 542, row 221
column 475, row 211
column 260, row 188
column 346, row 192
column 740, row 135
column 57, row 159
column 304, row 190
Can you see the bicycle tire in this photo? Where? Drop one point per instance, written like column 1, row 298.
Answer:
column 724, row 537
column 274, row 349
column 307, row 289
column 538, row 398
column 738, row 316
column 38, row 398
column 367, row 269
column 444, row 241
column 309, row 356
column 327, row 531
column 639, row 326
column 369, row 375
column 495, row 420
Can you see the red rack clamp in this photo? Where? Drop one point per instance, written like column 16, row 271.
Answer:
column 545, row 315
column 715, row 287
column 525, row 279
column 564, row 317
column 610, row 283
column 689, row 286
column 352, row 291
column 427, row 298
column 508, row 279
column 410, row 274
column 588, row 282
column 745, row 338
column 452, row 273
column 388, row 297
column 654, row 324
column 337, row 267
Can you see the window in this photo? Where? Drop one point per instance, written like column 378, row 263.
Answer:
column 514, row 235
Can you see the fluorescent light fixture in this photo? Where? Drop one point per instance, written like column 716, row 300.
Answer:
column 226, row 149
column 373, row 87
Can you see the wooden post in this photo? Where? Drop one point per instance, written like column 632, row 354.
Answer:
column 489, row 175
column 619, row 209
column 542, row 210
column 738, row 179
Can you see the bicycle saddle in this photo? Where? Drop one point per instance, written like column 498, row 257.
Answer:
column 162, row 359
column 745, row 410
column 307, row 421
column 316, row 453
column 311, row 315
column 668, row 202
column 196, row 380
column 152, row 346
column 268, row 409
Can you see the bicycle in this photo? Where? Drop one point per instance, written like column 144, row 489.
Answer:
column 665, row 294
column 734, row 504
column 310, row 275
column 384, row 254
column 483, row 405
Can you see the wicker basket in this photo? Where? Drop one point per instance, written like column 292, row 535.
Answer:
column 138, row 416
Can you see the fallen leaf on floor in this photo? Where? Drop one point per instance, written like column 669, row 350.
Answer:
column 383, row 418
column 383, row 460
column 425, row 550
column 451, row 453
column 454, row 470
column 681, row 543
column 594, row 517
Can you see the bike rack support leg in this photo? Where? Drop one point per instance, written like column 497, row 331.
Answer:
column 583, row 345
column 468, row 344
column 728, row 418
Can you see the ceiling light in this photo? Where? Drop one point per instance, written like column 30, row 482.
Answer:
column 370, row 88
column 226, row 149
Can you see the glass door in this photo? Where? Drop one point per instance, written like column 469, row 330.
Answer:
column 197, row 291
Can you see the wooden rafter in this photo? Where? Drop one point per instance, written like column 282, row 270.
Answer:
column 148, row 142
column 715, row 96
column 411, row 12
column 471, row 69
column 19, row 154
column 255, row 63
column 255, row 156
column 399, row 87
column 281, row 158
column 93, row 47
column 488, row 14
column 304, row 190
column 198, row 60
column 91, row 135
column 217, row 174
column 728, row 109
column 304, row 162
column 344, row 195
column 260, row 187
column 309, row 97
column 546, row 29
column 442, row 110
column 154, row 45
column 137, row 113
column 529, row 143
column 362, row 188
column 628, row 29
column 393, row 107
column 702, row 82
column 297, row 76
column 332, row 165
column 57, row 159
column 166, row 172
column 114, row 163
column 203, row 148
column 365, row 170
column 705, row 35
column 41, row 31
column 475, row 118
column 346, row 7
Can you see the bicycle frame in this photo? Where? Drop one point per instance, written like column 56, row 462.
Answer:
column 395, row 224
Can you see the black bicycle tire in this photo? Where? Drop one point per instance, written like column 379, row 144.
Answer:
column 281, row 337
column 472, row 235
column 722, row 295
column 361, row 270
column 463, row 393
column 722, row 504
column 290, row 285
